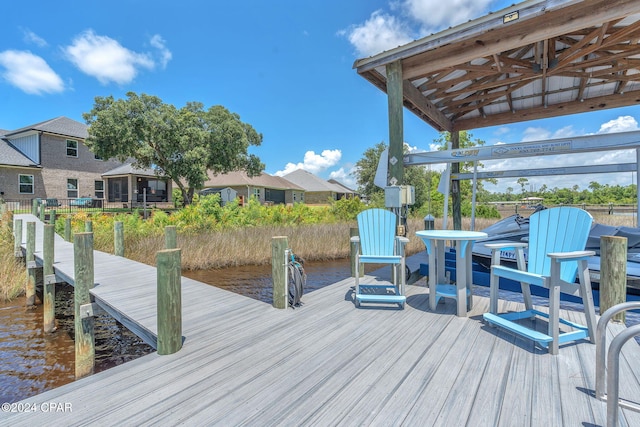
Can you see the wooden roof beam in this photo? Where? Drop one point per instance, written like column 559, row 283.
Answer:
column 412, row 94
column 565, row 108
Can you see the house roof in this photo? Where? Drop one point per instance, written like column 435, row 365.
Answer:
column 129, row 169
column 58, row 126
column 9, row 156
column 312, row 183
column 240, row 178
column 341, row 185
column 533, row 60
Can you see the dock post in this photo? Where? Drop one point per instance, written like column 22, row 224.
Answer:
column 169, row 276
column 353, row 231
column 279, row 245
column 49, row 278
column 17, row 238
column 41, row 210
column 31, row 264
column 52, row 217
column 613, row 274
column 67, row 229
column 88, row 226
column 34, row 207
column 118, row 238
column 170, row 237
column 84, row 335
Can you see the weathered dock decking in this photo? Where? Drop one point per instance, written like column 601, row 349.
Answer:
column 327, row 363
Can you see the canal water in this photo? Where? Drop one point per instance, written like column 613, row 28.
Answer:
column 32, row 362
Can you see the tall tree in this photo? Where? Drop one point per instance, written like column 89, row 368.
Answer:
column 182, row 144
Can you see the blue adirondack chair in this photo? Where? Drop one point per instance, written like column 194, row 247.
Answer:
column 378, row 244
column 557, row 238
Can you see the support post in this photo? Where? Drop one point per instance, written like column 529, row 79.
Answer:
column 118, row 238
column 34, row 207
column 31, row 264
column 169, row 301
column 84, row 276
column 88, row 226
column 41, row 210
column 49, row 278
column 396, row 127
column 67, row 229
column 279, row 245
column 455, row 185
column 170, row 237
column 17, row 238
column 52, row 217
column 613, row 274
column 353, row 231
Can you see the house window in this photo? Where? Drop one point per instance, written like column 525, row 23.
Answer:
column 256, row 192
column 99, row 189
column 72, row 188
column 72, row 148
column 25, row 183
column 294, row 196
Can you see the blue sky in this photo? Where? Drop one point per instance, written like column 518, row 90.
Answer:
column 286, row 67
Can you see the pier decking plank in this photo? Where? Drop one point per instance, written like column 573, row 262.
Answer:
column 326, row 363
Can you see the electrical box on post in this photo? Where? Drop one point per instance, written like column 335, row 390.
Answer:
column 399, row 195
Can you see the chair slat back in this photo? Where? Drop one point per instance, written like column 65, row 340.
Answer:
column 377, row 229
column 562, row 229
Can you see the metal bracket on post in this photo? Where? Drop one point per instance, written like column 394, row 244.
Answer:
column 90, row 310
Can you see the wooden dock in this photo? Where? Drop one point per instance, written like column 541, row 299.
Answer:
column 327, row 363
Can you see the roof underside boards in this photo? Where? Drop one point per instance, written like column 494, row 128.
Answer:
column 240, row 178
column 534, row 60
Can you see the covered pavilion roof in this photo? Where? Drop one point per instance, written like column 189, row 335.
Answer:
column 533, row 60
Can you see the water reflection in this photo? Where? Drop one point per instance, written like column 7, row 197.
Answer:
column 255, row 280
column 32, row 362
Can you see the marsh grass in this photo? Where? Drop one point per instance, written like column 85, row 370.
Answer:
column 12, row 270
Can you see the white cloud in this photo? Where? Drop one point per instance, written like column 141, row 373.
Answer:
column 621, row 124
column 29, row 72
column 434, row 15
column 344, row 177
column 165, row 54
column 32, row 38
column 106, row 59
column 313, row 162
column 379, row 33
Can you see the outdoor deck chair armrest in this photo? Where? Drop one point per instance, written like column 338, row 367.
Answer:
column 402, row 240
column 571, row 256
column 506, row 245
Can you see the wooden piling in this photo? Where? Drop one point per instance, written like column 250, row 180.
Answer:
column 170, row 237
column 84, row 277
column 278, row 271
column 52, row 217
column 41, row 210
column 169, row 311
column 613, row 273
column 31, row 264
column 17, row 238
column 67, row 229
column 118, row 238
column 34, row 207
column 354, row 249
column 49, row 278
column 88, row 226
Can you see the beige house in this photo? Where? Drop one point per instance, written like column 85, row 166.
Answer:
column 317, row 190
column 49, row 160
column 266, row 188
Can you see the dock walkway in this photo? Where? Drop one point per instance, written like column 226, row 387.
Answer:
column 327, row 363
